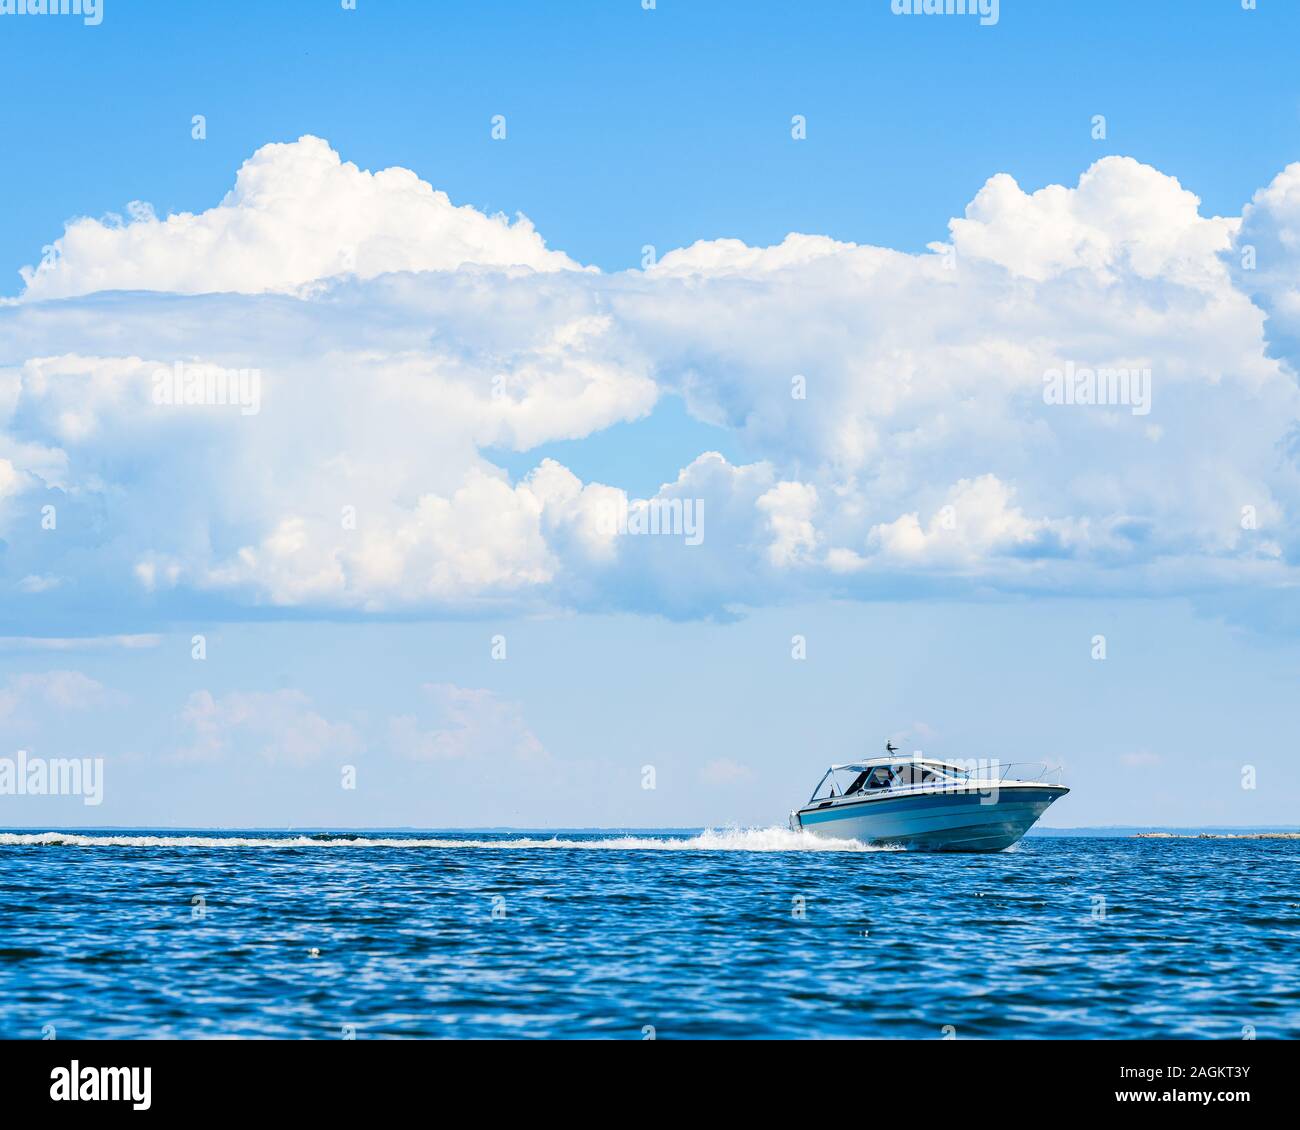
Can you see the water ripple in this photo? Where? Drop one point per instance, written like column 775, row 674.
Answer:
column 742, row 933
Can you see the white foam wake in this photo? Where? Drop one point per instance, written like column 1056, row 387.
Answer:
column 732, row 839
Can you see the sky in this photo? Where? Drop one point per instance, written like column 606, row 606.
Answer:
column 468, row 292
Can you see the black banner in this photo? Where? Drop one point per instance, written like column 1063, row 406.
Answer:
column 357, row 1077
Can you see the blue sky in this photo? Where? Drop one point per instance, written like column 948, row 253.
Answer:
column 631, row 127
column 378, row 317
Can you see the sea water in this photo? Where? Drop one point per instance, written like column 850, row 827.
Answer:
column 737, row 934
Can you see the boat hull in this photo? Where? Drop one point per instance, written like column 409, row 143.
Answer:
column 956, row 820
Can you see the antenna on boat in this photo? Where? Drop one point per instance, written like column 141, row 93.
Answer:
column 890, row 747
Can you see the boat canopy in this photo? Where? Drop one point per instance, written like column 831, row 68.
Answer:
column 900, row 772
column 875, row 762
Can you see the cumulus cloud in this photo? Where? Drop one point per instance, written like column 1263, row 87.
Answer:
column 1266, row 259
column 1123, row 218
column 736, row 258
column 297, row 213
column 789, row 508
column 359, row 483
column 989, row 524
column 891, row 405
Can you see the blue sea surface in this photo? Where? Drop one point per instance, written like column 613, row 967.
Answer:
column 737, row 934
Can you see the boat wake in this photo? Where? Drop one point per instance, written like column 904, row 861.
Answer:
column 730, row 839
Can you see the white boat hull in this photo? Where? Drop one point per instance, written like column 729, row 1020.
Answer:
column 942, row 820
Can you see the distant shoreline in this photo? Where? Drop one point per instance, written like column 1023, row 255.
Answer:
column 1216, row 835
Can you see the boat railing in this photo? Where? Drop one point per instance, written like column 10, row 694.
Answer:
column 985, row 775
column 982, row 774
column 1026, row 772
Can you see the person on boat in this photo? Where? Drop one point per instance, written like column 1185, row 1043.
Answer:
column 859, row 783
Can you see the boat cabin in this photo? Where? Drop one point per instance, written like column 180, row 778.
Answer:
column 886, row 773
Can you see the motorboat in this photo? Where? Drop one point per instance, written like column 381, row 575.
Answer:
column 927, row 805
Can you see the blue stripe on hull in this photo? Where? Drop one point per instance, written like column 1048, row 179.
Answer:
column 942, row 822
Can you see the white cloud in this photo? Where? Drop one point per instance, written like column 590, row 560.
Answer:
column 297, row 213
column 976, row 521
column 1123, row 219
column 734, row 257
column 51, row 690
column 1266, row 256
column 32, row 583
column 474, row 725
column 280, row 726
column 789, row 508
column 923, row 446
column 725, row 771
column 78, row 643
column 10, row 480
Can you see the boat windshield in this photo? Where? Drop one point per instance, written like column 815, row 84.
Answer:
column 918, row 773
column 851, row 779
